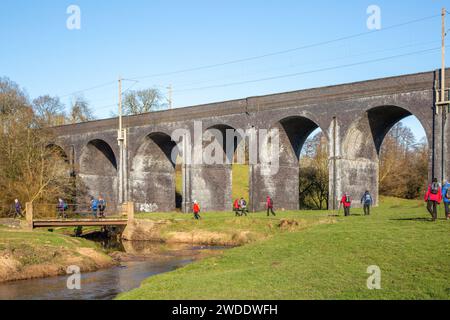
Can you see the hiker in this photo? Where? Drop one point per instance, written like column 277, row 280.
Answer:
column 243, row 205
column 101, row 206
column 236, row 208
column 446, row 197
column 61, row 207
column 433, row 198
column 196, row 210
column 94, row 207
column 17, row 209
column 346, row 201
column 269, row 205
column 367, row 201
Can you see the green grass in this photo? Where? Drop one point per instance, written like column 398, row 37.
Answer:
column 38, row 246
column 226, row 229
column 240, row 179
column 327, row 261
column 225, row 223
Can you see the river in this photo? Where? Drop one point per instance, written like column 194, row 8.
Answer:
column 140, row 261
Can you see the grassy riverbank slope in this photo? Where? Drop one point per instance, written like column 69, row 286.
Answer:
column 324, row 261
column 217, row 228
column 38, row 254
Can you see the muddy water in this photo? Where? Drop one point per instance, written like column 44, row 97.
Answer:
column 138, row 262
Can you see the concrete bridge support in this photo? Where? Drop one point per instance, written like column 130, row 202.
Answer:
column 98, row 173
column 152, row 176
column 211, row 186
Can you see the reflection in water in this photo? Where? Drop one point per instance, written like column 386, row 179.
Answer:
column 106, row 284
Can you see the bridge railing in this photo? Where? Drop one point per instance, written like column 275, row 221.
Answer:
column 75, row 211
column 39, row 212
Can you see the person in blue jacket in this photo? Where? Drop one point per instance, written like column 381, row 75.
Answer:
column 446, row 197
column 367, row 201
column 94, row 207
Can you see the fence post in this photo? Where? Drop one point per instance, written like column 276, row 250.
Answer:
column 130, row 211
column 29, row 215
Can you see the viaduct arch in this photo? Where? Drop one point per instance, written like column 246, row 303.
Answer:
column 354, row 118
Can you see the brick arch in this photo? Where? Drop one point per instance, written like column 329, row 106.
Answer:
column 361, row 146
column 59, row 149
column 365, row 135
column 295, row 130
column 98, row 172
column 283, row 186
column 152, row 175
column 98, row 157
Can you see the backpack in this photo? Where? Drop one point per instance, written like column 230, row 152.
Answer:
column 347, row 199
column 367, row 198
column 244, row 203
column 447, row 194
column 94, row 204
column 101, row 204
column 434, row 188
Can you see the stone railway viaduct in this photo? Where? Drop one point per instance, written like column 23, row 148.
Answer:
column 354, row 117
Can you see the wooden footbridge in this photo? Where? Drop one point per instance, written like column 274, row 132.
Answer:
column 124, row 215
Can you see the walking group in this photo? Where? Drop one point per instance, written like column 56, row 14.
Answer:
column 97, row 208
column 346, row 203
column 434, row 196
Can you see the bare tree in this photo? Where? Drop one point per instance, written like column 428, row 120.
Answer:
column 403, row 164
column 49, row 111
column 80, row 111
column 313, row 181
column 29, row 169
column 143, row 101
column 12, row 98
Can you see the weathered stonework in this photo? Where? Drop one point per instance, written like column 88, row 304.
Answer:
column 354, row 117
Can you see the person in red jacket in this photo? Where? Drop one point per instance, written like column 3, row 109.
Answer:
column 433, row 198
column 237, row 208
column 196, row 210
column 346, row 201
column 269, row 206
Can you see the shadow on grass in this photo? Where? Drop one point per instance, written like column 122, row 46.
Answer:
column 414, row 219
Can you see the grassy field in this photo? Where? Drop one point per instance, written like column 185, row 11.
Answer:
column 326, row 261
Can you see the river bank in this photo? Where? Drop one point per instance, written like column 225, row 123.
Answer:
column 215, row 228
column 40, row 254
column 137, row 261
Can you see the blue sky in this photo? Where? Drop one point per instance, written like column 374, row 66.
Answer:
column 139, row 38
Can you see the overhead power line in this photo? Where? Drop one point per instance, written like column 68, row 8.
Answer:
column 317, row 44
column 256, row 58
column 185, row 84
column 309, row 71
column 107, row 84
